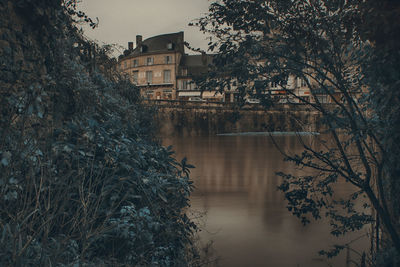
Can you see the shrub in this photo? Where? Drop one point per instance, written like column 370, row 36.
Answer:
column 81, row 180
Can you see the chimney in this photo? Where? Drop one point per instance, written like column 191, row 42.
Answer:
column 130, row 46
column 180, row 43
column 204, row 58
column 139, row 40
column 180, row 37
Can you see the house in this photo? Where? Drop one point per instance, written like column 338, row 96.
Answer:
column 153, row 64
column 161, row 69
column 191, row 68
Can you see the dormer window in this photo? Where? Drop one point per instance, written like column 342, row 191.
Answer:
column 143, row 49
column 170, row 46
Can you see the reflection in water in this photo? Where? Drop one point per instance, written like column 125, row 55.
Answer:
column 246, row 215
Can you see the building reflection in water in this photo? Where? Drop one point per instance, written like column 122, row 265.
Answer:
column 246, row 216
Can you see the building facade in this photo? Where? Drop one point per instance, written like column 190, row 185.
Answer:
column 162, row 70
column 152, row 65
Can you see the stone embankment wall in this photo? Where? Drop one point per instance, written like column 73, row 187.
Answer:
column 22, row 61
column 191, row 119
column 33, row 41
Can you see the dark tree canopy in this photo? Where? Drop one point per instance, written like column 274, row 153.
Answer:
column 346, row 50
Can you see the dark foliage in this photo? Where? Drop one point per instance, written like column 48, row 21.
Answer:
column 81, row 181
column 345, row 50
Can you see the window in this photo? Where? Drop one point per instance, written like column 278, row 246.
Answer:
column 322, row 98
column 149, row 77
column 170, row 46
column 301, row 82
column 184, row 72
column 125, row 65
column 184, row 84
column 273, row 84
column 135, row 63
column 149, row 94
column 150, row 61
column 143, row 48
column 135, row 76
column 168, row 59
column 167, row 76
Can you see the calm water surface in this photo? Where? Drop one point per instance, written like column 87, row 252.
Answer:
column 244, row 214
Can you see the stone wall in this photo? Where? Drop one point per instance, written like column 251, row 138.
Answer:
column 32, row 61
column 206, row 121
column 22, row 62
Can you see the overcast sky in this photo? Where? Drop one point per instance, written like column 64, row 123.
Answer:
column 122, row 20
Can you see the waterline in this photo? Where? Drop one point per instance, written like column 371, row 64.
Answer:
column 268, row 133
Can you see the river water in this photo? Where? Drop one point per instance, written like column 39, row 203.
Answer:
column 244, row 216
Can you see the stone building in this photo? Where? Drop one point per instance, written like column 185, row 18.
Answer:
column 191, row 68
column 162, row 70
column 153, row 64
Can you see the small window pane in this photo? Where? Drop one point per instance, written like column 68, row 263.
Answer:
column 301, row 82
column 149, row 77
column 167, row 76
column 184, row 85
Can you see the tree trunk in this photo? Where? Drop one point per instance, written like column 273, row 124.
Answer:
column 385, row 217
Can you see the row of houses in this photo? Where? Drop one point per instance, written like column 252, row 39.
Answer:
column 162, row 70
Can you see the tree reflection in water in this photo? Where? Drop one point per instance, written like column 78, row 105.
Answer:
column 246, row 215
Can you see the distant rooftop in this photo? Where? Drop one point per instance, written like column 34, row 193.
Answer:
column 157, row 44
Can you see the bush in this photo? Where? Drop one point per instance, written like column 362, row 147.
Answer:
column 81, row 180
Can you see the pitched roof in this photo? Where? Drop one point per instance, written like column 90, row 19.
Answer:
column 160, row 43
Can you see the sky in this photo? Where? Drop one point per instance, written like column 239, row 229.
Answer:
column 121, row 20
